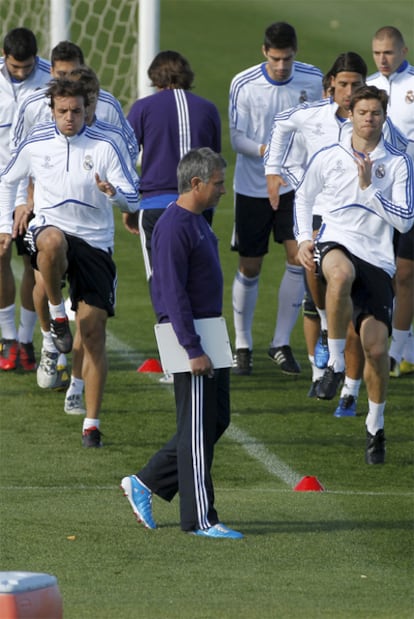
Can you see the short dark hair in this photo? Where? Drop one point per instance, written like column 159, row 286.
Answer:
column 390, row 32
column 280, row 35
column 20, row 43
column 66, row 88
column 369, row 92
column 201, row 162
column 88, row 77
column 66, row 51
column 349, row 61
column 170, row 69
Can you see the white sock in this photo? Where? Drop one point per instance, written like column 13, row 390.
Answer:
column 57, row 311
column 245, row 293
column 48, row 343
column 26, row 325
column 336, row 354
column 322, row 316
column 90, row 423
column 76, row 386
column 351, row 387
column 7, row 322
column 375, row 418
column 408, row 353
column 398, row 341
column 291, row 291
column 317, row 373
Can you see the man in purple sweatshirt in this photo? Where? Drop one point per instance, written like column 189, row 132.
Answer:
column 187, row 284
column 167, row 124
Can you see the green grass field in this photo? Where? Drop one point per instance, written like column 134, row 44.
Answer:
column 344, row 553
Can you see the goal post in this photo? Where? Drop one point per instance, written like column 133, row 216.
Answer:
column 149, row 41
column 119, row 38
column 60, row 16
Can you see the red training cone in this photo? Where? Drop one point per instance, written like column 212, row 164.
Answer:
column 309, row 483
column 150, row 365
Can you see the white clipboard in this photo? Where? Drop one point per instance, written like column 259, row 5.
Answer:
column 214, row 340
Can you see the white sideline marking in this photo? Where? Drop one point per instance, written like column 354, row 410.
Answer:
column 123, row 350
column 256, row 450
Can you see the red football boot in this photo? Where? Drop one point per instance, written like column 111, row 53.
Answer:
column 9, row 354
column 27, row 358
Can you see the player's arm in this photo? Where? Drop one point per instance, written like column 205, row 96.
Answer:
column 305, row 196
column 130, row 221
column 245, row 145
column 281, row 136
column 23, row 212
column 239, row 122
column 305, row 255
column 105, row 186
column 397, row 209
column 16, row 171
column 274, row 183
column 121, row 182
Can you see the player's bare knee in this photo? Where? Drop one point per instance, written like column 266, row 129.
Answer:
column 51, row 241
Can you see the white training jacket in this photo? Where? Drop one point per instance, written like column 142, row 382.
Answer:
column 254, row 100
column 11, row 93
column 35, row 109
column 360, row 220
column 400, row 89
column 114, row 132
column 318, row 126
column 100, row 130
column 65, row 191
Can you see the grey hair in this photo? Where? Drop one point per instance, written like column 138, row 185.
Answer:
column 200, row 162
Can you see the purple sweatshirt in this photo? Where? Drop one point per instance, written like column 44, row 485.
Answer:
column 187, row 280
column 167, row 125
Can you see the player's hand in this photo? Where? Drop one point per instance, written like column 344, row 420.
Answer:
column 22, row 215
column 5, row 240
column 105, row 186
column 274, row 183
column 130, row 221
column 202, row 366
column 364, row 170
column 305, row 255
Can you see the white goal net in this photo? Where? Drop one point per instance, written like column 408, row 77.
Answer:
column 106, row 31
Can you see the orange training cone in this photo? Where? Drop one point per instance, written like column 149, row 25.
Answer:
column 309, row 484
column 150, row 365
